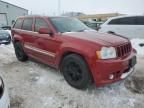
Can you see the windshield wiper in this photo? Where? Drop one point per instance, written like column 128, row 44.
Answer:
column 82, row 30
column 75, row 31
column 66, row 31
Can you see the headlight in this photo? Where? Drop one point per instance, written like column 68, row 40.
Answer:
column 106, row 53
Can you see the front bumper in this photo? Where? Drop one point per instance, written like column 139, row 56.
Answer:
column 4, row 100
column 113, row 70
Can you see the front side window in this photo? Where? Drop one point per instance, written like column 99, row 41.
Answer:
column 27, row 24
column 114, row 22
column 18, row 24
column 39, row 22
column 66, row 24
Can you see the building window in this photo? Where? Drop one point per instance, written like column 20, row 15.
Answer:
column 7, row 6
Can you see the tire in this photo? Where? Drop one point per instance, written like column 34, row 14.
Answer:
column 76, row 71
column 20, row 54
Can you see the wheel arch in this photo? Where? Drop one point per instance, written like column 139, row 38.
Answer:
column 17, row 38
column 81, row 55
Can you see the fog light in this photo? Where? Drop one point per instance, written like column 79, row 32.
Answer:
column 111, row 76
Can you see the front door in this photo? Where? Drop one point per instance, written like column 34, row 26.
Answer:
column 46, row 46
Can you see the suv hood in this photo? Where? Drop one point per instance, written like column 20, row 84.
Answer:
column 94, row 36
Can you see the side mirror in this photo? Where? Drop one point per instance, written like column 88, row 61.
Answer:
column 43, row 30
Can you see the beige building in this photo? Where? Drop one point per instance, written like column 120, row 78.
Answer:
column 98, row 17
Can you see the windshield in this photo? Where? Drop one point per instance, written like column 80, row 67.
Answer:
column 66, row 24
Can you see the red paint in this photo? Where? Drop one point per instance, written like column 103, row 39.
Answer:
column 83, row 43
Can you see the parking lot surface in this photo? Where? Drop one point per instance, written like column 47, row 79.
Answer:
column 35, row 85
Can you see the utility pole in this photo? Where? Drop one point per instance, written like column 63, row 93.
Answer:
column 59, row 7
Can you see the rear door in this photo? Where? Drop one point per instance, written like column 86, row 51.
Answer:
column 127, row 27
column 27, row 35
column 123, row 26
column 16, row 30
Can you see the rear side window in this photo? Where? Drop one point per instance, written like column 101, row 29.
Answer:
column 123, row 21
column 18, row 24
column 140, row 20
column 27, row 24
column 127, row 21
column 39, row 22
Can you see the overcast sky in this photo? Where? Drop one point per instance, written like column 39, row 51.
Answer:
column 50, row 7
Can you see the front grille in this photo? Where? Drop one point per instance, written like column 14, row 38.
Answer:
column 123, row 50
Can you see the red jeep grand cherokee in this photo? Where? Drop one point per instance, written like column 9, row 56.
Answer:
column 82, row 54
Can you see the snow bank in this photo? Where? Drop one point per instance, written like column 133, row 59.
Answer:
column 138, row 44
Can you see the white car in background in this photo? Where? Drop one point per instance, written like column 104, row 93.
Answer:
column 4, row 98
column 127, row 26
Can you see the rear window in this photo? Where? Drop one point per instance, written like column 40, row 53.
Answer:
column 18, row 24
column 140, row 20
column 27, row 24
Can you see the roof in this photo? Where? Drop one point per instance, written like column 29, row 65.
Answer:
column 14, row 5
column 29, row 16
column 125, row 16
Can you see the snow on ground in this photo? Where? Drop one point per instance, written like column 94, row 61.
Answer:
column 138, row 44
column 35, row 85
